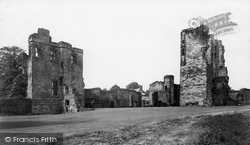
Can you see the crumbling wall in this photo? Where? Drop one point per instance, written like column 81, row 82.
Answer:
column 220, row 88
column 246, row 96
column 163, row 93
column 157, row 94
column 169, row 88
column 239, row 97
column 202, row 60
column 193, row 75
column 163, row 98
column 55, row 82
column 220, row 91
column 114, row 98
column 177, row 95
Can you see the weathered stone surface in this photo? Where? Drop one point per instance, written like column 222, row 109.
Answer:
column 202, row 59
column 169, row 88
column 163, row 93
column 220, row 90
column 177, row 95
column 156, row 86
column 55, row 82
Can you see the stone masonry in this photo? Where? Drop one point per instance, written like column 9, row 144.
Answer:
column 202, row 69
column 115, row 97
column 55, row 81
column 163, row 93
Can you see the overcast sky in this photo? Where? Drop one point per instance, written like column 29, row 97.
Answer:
column 127, row 41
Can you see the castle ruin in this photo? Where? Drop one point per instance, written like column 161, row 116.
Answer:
column 55, row 82
column 203, row 75
column 164, row 93
column 115, row 97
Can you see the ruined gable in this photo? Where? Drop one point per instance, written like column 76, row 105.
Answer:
column 162, row 93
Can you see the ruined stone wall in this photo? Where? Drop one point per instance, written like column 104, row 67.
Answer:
column 194, row 75
column 202, row 60
column 218, row 51
column 162, row 93
column 115, row 98
column 177, row 95
column 51, row 67
column 155, row 86
column 220, row 88
column 163, row 98
column 158, row 94
column 246, row 96
column 169, row 88
column 220, row 91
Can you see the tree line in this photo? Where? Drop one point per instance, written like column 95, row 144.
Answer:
column 13, row 72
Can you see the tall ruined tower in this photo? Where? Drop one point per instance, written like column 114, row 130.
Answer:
column 55, row 82
column 202, row 68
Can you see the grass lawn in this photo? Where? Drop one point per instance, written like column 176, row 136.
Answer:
column 228, row 129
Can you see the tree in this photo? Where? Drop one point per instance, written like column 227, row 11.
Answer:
column 13, row 74
column 133, row 85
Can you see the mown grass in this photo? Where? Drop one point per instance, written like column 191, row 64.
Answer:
column 228, row 129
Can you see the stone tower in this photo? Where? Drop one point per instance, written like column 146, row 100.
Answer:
column 202, row 68
column 55, row 82
column 169, row 88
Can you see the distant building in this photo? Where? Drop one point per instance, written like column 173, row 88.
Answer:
column 164, row 93
column 115, row 97
column 203, row 75
column 55, row 81
column 240, row 97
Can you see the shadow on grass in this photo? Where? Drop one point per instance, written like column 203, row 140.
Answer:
column 24, row 124
column 228, row 129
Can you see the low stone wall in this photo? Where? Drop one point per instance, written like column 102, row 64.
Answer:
column 15, row 106
column 97, row 98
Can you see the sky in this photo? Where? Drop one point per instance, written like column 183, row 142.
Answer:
column 128, row 41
